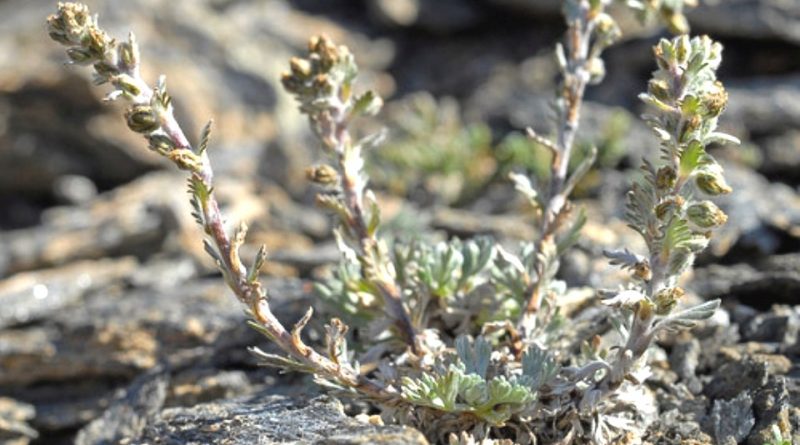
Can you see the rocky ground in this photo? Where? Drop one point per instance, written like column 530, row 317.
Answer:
column 115, row 327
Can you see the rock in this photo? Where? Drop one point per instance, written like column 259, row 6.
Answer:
column 129, row 413
column 732, row 378
column 755, row 19
column 131, row 220
column 437, row 16
column 519, row 96
column 732, row 420
column 195, row 386
column 31, row 296
column 70, row 364
column 269, row 419
column 120, row 334
column 14, row 415
column 756, row 225
column 674, row 426
column 771, row 406
column 779, row 326
column 763, row 105
column 751, row 284
column 684, row 360
column 781, row 156
column 536, row 8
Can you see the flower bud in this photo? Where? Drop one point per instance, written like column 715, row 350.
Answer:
column 323, row 84
column 129, row 53
column 645, row 310
column 142, row 119
column 70, row 24
column 715, row 100
column 323, row 175
column 79, row 55
column 683, row 44
column 97, row 42
column 712, row 183
column 127, row 85
column 160, row 143
column 642, row 271
column 185, row 159
column 300, row 67
column 667, row 299
column 666, row 178
column 668, row 207
column 706, row 215
column 105, row 70
column 659, row 89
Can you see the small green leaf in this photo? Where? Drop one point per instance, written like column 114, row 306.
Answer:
column 691, row 157
column 368, row 104
column 205, row 137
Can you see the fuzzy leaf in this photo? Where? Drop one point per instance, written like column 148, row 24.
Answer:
column 580, row 171
column 624, row 258
column 626, row 298
column 474, row 355
column 722, row 138
column 205, row 137
column 688, row 318
column 280, row 362
column 572, row 235
column 523, row 185
column 538, row 367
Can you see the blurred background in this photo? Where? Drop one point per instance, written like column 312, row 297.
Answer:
column 102, row 274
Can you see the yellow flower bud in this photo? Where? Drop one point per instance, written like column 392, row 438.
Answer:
column 667, row 299
column 706, row 215
column 712, row 183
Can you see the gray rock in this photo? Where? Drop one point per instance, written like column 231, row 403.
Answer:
column 532, row 7
column 131, row 220
column 120, row 334
column 781, row 155
column 756, row 224
column 195, row 386
column 778, row 326
column 771, row 406
column 129, row 413
column 438, row 16
column 674, row 426
column 751, row 284
column 266, row 419
column 733, row 378
column 31, row 296
column 763, row 105
column 732, row 419
column 755, row 19
column 684, row 359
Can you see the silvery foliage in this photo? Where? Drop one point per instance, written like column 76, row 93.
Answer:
column 467, row 340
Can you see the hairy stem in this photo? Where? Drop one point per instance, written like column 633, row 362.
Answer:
column 353, row 187
column 576, row 77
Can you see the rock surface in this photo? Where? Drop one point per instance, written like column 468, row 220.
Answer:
column 266, row 419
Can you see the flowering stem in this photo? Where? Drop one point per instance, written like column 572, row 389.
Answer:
column 576, row 72
column 151, row 114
